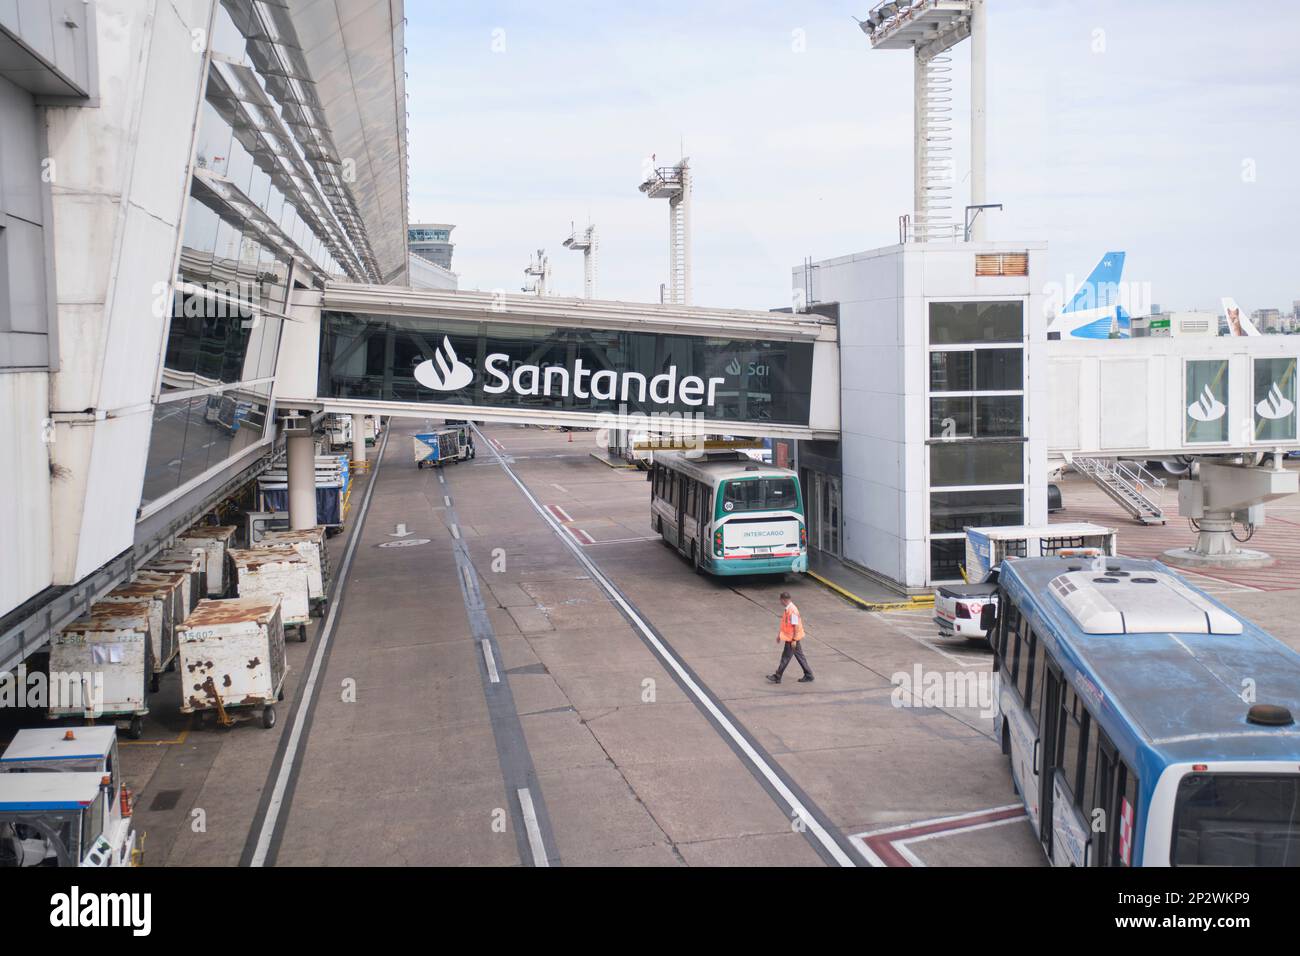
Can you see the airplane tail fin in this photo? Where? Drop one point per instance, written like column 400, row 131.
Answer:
column 1101, row 288
column 1238, row 322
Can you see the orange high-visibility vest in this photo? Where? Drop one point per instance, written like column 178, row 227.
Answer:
column 791, row 624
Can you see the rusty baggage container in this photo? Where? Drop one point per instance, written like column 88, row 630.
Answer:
column 163, row 597
column 278, row 571
column 100, row 664
column 184, row 562
column 310, row 543
column 232, row 657
column 214, row 541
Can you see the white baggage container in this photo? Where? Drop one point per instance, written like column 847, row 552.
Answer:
column 99, row 664
column 232, row 657
column 310, row 543
column 213, row 541
column 185, row 562
column 162, row 597
column 279, row 572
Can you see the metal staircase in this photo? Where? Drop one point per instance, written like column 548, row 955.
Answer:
column 1132, row 486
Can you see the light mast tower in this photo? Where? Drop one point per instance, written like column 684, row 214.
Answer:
column 674, row 184
column 930, row 28
column 540, row 272
column 585, row 242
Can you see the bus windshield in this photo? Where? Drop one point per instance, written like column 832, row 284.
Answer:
column 1237, row 819
column 759, row 494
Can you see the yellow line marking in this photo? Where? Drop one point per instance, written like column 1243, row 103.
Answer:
column 609, row 464
column 919, row 603
column 160, row 743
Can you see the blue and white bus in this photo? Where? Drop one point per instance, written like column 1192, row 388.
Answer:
column 729, row 514
column 1147, row 724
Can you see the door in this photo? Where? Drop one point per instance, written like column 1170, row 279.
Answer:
column 1047, row 748
column 679, row 501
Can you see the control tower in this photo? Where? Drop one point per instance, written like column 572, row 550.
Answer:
column 674, row 184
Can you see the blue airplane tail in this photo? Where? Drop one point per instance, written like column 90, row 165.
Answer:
column 1101, row 288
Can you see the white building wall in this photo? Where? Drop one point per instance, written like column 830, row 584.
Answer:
column 25, row 505
column 884, row 372
column 118, row 195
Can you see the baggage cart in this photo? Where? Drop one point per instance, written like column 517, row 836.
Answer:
column 233, row 659
column 162, row 597
column 100, row 665
column 280, row 572
column 213, row 541
column 310, row 543
column 188, row 563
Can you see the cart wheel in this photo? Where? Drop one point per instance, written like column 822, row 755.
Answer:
column 153, row 683
column 302, row 633
column 280, row 694
column 268, row 717
column 136, row 730
column 171, row 665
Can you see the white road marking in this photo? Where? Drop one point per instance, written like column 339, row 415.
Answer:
column 561, row 487
column 300, row 718
column 530, row 824
column 491, row 662
column 455, row 532
column 446, row 500
column 442, row 478
column 762, row 766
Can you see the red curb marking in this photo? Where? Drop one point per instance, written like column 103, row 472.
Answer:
column 882, row 844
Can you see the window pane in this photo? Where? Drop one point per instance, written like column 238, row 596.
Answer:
column 958, row 510
column 952, row 371
column 1275, row 395
column 1207, row 401
column 946, row 557
column 951, row 418
column 975, row 322
column 976, row 463
column 1001, row 416
column 998, row 370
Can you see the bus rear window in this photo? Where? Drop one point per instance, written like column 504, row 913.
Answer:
column 759, row 494
column 1237, row 819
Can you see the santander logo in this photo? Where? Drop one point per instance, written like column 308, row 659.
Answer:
column 1207, row 408
column 1275, row 405
column 448, row 374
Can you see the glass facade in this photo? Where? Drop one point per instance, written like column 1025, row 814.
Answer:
column 977, row 424
column 532, row 367
column 257, row 221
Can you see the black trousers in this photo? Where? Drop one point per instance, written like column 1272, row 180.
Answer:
column 793, row 649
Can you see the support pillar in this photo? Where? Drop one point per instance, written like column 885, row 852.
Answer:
column 302, row 475
column 978, row 99
column 1220, row 499
column 359, row 442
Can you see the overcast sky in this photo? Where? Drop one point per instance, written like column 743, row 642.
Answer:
column 1166, row 128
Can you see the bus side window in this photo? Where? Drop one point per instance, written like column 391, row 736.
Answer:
column 1013, row 669
column 1036, row 684
column 691, row 499
column 1073, row 737
column 1025, row 684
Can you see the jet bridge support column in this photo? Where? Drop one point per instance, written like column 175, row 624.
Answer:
column 1222, row 497
column 301, row 448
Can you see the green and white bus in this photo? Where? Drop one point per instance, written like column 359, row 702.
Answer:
column 729, row 514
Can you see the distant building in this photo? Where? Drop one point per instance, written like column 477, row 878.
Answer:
column 431, row 241
column 1267, row 320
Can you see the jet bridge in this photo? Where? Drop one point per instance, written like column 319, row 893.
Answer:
column 488, row 356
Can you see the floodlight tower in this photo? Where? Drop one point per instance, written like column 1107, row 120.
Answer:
column 674, row 184
column 930, row 28
column 586, row 244
column 540, row 271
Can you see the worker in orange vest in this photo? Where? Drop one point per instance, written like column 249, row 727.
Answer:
column 791, row 635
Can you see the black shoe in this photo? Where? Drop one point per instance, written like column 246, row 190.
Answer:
column 806, row 679
column 774, row 678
